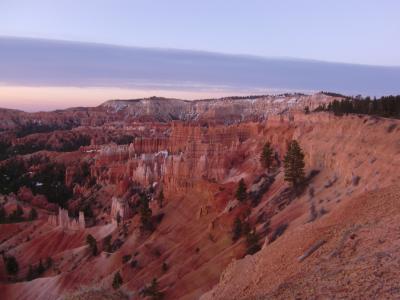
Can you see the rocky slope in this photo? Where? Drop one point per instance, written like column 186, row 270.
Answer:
column 354, row 197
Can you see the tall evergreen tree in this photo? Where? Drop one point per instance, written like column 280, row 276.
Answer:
column 266, row 157
column 107, row 243
column 241, row 193
column 252, row 242
column 117, row 281
column 31, row 273
column 152, row 291
column 294, row 164
column 11, row 263
column 118, row 218
column 40, row 268
column 91, row 241
column 145, row 213
column 237, row 229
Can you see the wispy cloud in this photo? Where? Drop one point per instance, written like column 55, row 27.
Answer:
column 34, row 62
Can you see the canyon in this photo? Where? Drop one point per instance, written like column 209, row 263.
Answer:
column 154, row 182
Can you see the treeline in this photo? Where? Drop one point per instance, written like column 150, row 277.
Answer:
column 387, row 106
column 4, row 150
column 71, row 142
column 48, row 180
column 31, row 127
column 17, row 215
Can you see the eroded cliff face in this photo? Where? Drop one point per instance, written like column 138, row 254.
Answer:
column 335, row 236
column 121, row 112
column 188, row 154
column 197, row 165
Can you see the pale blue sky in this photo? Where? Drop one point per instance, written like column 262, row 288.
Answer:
column 52, row 52
column 353, row 31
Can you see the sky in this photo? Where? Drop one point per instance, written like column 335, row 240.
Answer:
column 353, row 31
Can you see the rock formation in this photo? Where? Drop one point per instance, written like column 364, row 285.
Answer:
column 120, row 209
column 63, row 221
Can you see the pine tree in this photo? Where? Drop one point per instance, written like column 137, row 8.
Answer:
column 31, row 274
column 245, row 228
column 118, row 218
column 107, row 243
column 91, row 241
column 117, row 281
column 165, row 267
column 241, row 193
column 152, row 291
column 294, row 164
column 237, row 229
column 252, row 242
column 145, row 214
column 33, row 214
column 266, row 157
column 49, row 262
column 40, row 268
column 12, row 266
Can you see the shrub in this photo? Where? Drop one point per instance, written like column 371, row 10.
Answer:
column 145, row 214
column 107, row 243
column 116, row 245
column 134, row 263
column 91, row 241
column 117, row 281
column 49, row 262
column 31, row 274
column 152, row 291
column 311, row 192
column 126, row 258
column 11, row 265
column 165, row 267
column 278, row 232
column 118, row 218
column 33, row 214
column 252, row 242
column 241, row 193
column 237, row 229
column 323, row 211
column 355, row 180
column 313, row 213
column 245, row 228
column 40, row 268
